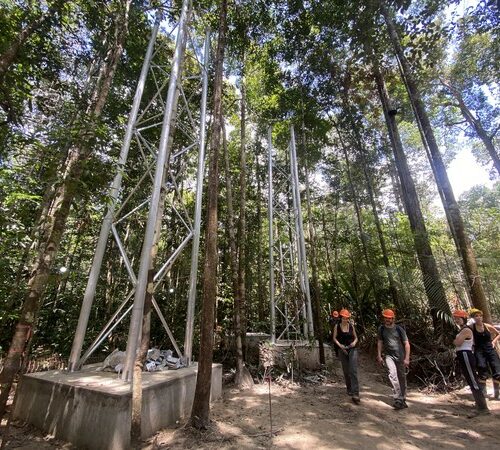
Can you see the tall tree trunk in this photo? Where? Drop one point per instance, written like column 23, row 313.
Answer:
column 242, row 236
column 335, row 237
column 233, row 262
column 318, row 325
column 58, row 207
column 393, row 173
column 466, row 252
column 136, row 402
column 201, row 403
column 77, row 235
column 434, row 289
column 261, row 309
column 476, row 124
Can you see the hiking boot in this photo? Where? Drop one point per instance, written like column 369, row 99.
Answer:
column 398, row 404
column 356, row 400
column 478, row 412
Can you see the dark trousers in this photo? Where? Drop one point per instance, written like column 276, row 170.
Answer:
column 468, row 368
column 350, row 368
column 487, row 360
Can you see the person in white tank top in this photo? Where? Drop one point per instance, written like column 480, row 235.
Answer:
column 463, row 342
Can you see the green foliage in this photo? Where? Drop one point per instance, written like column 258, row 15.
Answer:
column 303, row 63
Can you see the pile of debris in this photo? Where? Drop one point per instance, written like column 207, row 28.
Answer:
column 162, row 360
column 156, row 360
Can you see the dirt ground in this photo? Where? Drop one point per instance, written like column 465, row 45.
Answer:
column 318, row 414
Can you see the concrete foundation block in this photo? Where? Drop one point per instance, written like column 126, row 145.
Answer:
column 92, row 409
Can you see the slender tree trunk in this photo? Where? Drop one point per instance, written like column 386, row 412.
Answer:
column 242, row 235
column 476, row 124
column 335, row 237
column 261, row 309
column 233, row 261
column 434, row 289
column 136, row 403
column 466, row 252
column 385, row 256
column 393, row 173
column 318, row 325
column 362, row 234
column 77, row 235
column 58, row 208
column 326, row 241
column 201, row 404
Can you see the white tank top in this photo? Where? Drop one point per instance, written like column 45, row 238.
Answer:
column 466, row 345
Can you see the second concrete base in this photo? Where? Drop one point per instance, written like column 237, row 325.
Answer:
column 92, row 409
column 299, row 353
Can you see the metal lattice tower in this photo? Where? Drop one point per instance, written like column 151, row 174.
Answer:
column 169, row 138
column 290, row 299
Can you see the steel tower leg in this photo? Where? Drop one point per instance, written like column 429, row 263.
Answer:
column 300, row 233
column 89, row 295
column 271, row 241
column 163, row 154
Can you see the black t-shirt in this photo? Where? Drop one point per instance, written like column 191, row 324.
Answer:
column 345, row 338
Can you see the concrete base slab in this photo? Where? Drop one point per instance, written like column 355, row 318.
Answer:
column 302, row 354
column 91, row 409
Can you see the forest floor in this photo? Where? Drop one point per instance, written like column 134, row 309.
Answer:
column 318, row 414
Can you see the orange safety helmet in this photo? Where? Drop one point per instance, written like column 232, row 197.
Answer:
column 344, row 313
column 335, row 314
column 388, row 314
column 460, row 313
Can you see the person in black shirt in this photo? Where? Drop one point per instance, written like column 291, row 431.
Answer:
column 485, row 338
column 344, row 335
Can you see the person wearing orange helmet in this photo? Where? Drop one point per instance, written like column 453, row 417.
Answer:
column 393, row 341
column 487, row 359
column 344, row 335
column 333, row 321
column 463, row 342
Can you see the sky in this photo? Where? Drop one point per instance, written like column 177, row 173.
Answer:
column 465, row 172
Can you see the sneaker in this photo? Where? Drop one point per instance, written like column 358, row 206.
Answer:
column 356, row 400
column 405, row 405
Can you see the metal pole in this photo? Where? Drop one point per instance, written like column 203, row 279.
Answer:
column 89, row 295
column 296, row 245
column 283, row 289
column 271, row 242
column 302, row 244
column 163, row 150
column 188, row 338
